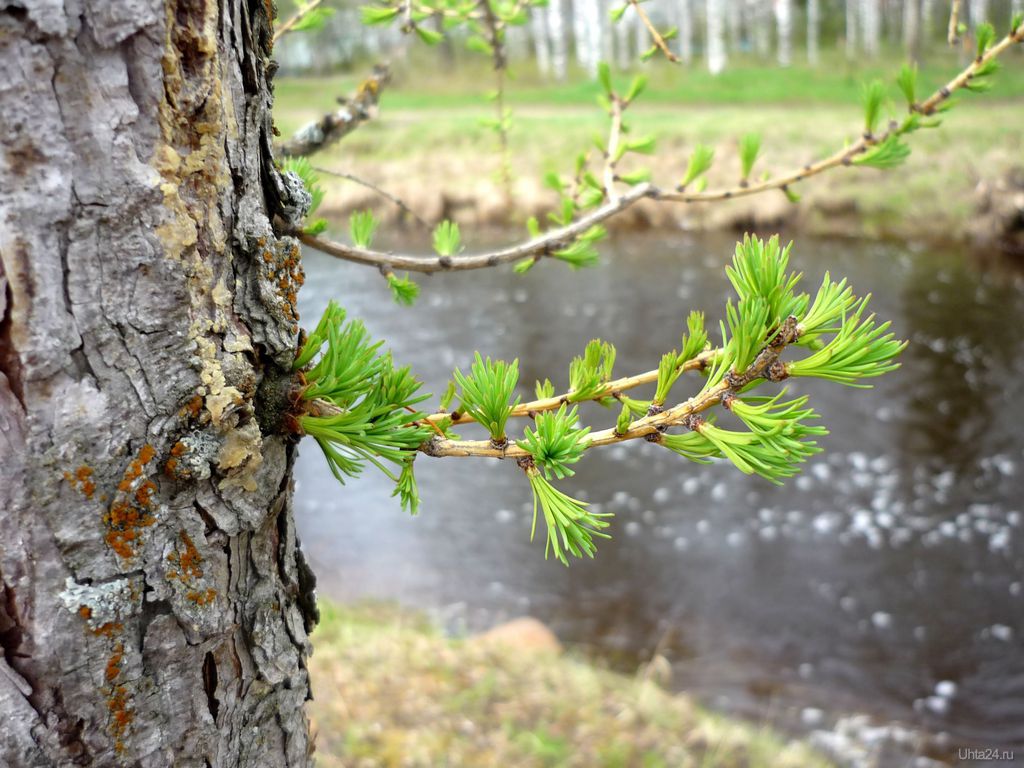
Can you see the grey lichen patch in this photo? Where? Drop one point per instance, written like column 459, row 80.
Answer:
column 104, row 604
column 295, row 198
column 200, row 451
column 268, row 292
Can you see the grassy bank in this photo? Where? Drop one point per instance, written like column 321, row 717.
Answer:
column 392, row 691
column 429, row 147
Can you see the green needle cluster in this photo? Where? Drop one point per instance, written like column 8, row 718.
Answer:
column 359, row 406
column 487, row 393
column 860, row 349
column 555, row 442
column 589, row 374
column 570, row 527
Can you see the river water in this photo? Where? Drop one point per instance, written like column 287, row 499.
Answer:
column 888, row 578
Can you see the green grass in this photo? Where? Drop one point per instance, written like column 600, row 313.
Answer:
column 421, row 84
column 392, row 691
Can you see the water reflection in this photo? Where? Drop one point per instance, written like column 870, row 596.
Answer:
column 887, row 578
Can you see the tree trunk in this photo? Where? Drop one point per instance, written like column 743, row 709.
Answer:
column 539, row 33
column 978, row 12
column 715, row 38
column 850, row 42
column 761, row 11
column 813, row 30
column 559, row 46
column 684, row 9
column 784, row 25
column 911, row 28
column 155, row 604
column 871, row 26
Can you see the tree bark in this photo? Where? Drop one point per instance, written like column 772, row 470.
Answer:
column 155, row 604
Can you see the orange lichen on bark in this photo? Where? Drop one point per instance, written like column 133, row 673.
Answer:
column 85, row 612
column 109, row 629
column 114, row 663
column 128, row 516
column 204, row 597
column 124, row 523
column 81, row 480
column 189, row 570
column 121, row 715
column 192, row 408
column 144, row 492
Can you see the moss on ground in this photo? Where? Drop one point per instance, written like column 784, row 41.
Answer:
column 390, row 690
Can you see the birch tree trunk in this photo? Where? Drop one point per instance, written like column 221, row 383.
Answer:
column 734, row 23
column 784, row 24
column 871, row 20
column 760, row 11
column 684, row 11
column 852, row 8
column 715, row 40
column 155, row 602
column 927, row 20
column 911, row 28
column 559, row 43
column 813, row 30
column 539, row 33
column 979, row 12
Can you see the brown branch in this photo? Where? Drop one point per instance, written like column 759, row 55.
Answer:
column 335, row 125
column 298, row 16
column 953, row 33
column 930, row 104
column 640, row 428
column 655, row 34
column 546, row 244
column 610, row 389
column 373, row 187
column 555, row 239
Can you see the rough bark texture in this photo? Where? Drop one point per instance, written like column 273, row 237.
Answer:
column 154, row 607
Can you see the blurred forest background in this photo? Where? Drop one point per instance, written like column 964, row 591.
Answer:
column 873, row 605
column 792, row 71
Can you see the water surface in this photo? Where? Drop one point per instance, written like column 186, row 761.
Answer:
column 886, row 579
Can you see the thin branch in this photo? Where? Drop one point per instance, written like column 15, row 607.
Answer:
column 555, row 239
column 373, row 187
column 298, row 16
column 655, row 34
column 335, row 125
column 546, row 244
column 611, row 389
column 648, row 425
column 614, row 136
column 929, row 105
column 953, row 33
column 494, row 28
